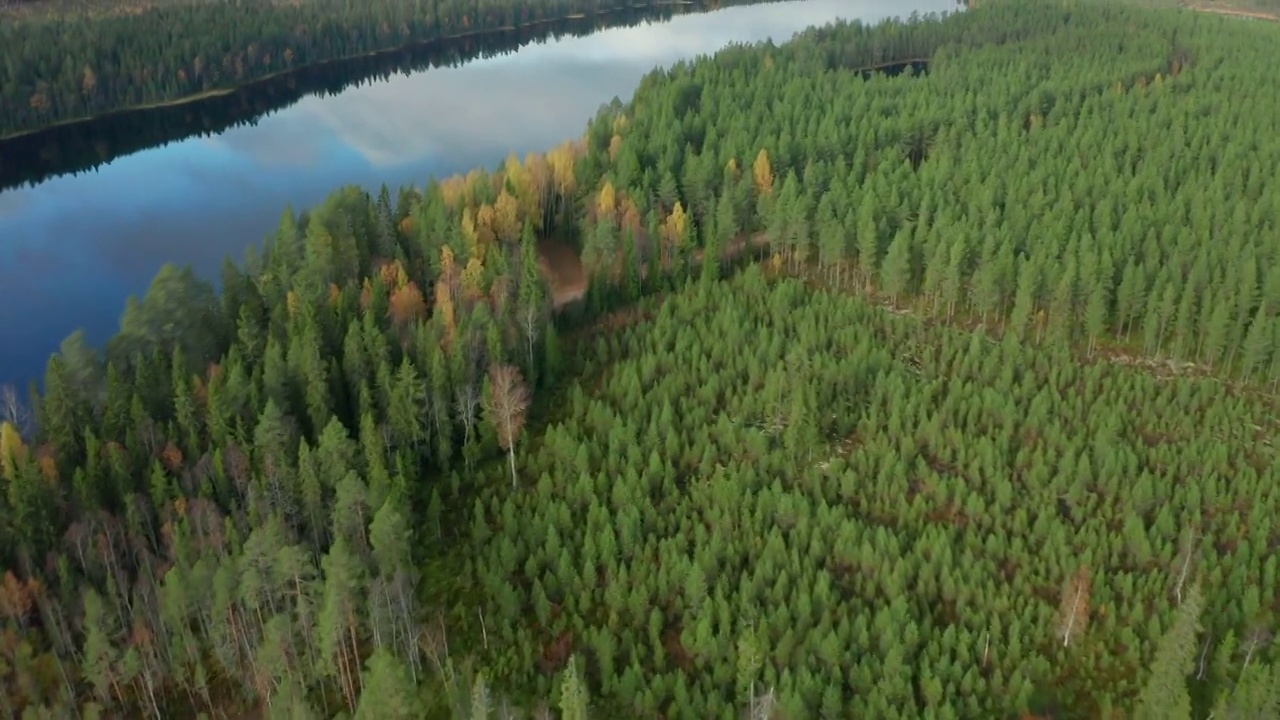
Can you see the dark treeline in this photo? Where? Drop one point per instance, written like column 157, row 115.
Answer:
column 71, row 66
column 74, row 147
column 371, row 477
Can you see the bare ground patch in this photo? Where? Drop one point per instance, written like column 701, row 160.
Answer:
column 1235, row 12
column 563, row 269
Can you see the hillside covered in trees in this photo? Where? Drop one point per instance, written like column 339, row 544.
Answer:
column 988, row 431
column 70, row 65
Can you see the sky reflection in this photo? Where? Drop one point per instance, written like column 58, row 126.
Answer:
column 73, row 248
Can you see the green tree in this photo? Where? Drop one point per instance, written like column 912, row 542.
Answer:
column 388, row 690
column 1165, row 694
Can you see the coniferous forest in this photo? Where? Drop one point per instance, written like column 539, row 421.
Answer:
column 941, row 392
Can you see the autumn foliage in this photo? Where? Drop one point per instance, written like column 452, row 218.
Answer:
column 12, row 450
column 407, row 305
column 393, row 275
column 762, row 172
column 17, row 597
column 172, row 458
column 505, row 405
column 606, row 202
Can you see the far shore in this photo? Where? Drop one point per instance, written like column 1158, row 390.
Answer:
column 221, row 91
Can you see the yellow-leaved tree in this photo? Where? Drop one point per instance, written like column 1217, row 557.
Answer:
column 473, row 280
column 563, row 159
column 534, row 194
column 762, row 171
column 607, row 202
column 506, row 217
column 13, row 452
column 674, row 232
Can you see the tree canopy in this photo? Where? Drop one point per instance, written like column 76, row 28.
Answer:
column 989, row 429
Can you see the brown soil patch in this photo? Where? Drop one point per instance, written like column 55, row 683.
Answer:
column 567, row 276
column 555, row 654
column 676, row 650
column 564, row 272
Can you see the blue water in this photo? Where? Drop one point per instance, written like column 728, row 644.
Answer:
column 72, row 249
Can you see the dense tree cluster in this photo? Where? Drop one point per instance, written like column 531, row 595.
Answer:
column 916, row 479
column 1064, row 175
column 69, row 66
column 267, row 444
column 875, row 517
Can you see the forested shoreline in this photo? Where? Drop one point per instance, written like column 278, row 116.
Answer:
column 77, row 146
column 989, row 431
column 72, row 66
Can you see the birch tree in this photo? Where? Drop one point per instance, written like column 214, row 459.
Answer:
column 14, row 411
column 1185, row 563
column 1073, row 612
column 506, row 401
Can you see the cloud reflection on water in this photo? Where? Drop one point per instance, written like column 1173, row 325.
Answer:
column 74, row 247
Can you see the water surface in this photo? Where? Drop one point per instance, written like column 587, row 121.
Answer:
column 74, row 247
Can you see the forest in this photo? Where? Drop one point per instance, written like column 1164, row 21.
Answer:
column 80, row 62
column 59, row 149
column 942, row 394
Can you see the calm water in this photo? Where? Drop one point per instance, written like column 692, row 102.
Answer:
column 73, row 248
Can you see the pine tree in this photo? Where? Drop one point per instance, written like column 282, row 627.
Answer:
column 573, row 693
column 1165, row 695
column 389, row 693
column 1257, row 344
column 895, row 275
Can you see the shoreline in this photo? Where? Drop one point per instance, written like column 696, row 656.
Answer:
column 221, row 92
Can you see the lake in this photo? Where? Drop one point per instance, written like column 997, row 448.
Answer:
column 73, row 248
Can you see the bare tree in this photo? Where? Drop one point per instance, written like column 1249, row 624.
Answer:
column 1204, row 654
column 1073, row 613
column 762, row 706
column 1185, row 562
column 14, row 411
column 505, row 406
column 507, row 711
column 467, row 403
column 433, row 640
column 54, row 620
column 1258, row 636
column 530, row 317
